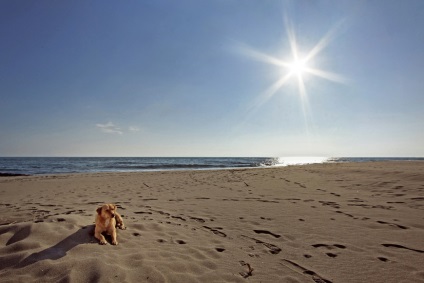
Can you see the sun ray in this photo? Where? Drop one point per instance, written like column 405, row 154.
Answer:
column 291, row 38
column 323, row 42
column 269, row 93
column 259, row 56
column 304, row 102
column 326, row 75
column 276, row 86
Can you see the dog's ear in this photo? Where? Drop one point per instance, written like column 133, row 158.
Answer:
column 99, row 210
column 114, row 206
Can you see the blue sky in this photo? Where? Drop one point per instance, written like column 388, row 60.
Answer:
column 177, row 78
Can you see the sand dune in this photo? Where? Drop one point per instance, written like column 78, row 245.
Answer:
column 354, row 222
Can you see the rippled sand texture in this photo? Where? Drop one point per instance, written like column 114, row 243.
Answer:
column 354, row 222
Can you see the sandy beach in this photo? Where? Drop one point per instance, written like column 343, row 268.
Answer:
column 351, row 222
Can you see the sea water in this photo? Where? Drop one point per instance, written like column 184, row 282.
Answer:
column 58, row 165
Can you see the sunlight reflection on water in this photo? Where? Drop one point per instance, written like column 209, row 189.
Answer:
column 286, row 161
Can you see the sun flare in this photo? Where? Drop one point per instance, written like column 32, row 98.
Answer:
column 294, row 66
column 298, row 67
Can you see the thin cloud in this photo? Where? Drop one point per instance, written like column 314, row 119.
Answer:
column 109, row 128
column 134, row 129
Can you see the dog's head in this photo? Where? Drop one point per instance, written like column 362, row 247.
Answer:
column 107, row 210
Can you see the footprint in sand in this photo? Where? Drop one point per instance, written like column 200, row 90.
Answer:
column 267, row 232
column 330, row 203
column 265, row 218
column 178, row 217
column 198, row 219
column 393, row 224
column 216, row 231
column 344, row 213
column 143, row 212
column 402, row 247
column 300, row 269
column 330, row 247
column 300, row 185
column 383, row 259
column 273, row 249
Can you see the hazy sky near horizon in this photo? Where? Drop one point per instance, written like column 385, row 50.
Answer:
column 185, row 78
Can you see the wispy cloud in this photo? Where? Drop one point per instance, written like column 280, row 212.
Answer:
column 109, row 128
column 134, row 129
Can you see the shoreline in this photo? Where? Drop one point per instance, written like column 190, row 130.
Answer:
column 334, row 222
column 5, row 174
column 59, row 165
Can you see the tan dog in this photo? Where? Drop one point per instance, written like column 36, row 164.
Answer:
column 107, row 219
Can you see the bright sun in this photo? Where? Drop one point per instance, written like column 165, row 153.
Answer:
column 297, row 67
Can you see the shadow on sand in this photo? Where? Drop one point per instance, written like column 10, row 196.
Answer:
column 82, row 236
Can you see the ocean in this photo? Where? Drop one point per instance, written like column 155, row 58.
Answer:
column 61, row 165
